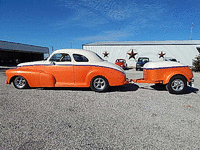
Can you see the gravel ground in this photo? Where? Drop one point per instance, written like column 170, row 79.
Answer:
column 134, row 116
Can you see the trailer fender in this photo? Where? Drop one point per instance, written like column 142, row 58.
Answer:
column 169, row 76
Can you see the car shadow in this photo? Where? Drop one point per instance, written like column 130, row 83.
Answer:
column 191, row 90
column 64, row 89
column 124, row 88
column 128, row 68
column 163, row 88
column 159, row 88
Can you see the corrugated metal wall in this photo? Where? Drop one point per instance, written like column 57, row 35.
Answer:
column 183, row 53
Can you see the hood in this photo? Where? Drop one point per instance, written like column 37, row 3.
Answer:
column 32, row 63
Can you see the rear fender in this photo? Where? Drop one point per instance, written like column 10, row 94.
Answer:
column 91, row 75
column 114, row 77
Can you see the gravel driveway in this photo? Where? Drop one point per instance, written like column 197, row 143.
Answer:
column 135, row 116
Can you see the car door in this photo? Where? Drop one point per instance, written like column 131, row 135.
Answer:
column 62, row 68
column 81, row 69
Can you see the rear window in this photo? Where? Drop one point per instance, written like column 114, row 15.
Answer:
column 80, row 58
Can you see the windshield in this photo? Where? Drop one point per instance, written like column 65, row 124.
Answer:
column 143, row 60
column 46, row 58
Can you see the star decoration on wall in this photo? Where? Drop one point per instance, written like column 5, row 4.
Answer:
column 132, row 54
column 105, row 54
column 161, row 54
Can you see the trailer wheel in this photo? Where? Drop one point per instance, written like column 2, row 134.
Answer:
column 177, row 85
column 99, row 84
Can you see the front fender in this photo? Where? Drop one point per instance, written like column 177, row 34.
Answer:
column 30, row 76
column 35, row 78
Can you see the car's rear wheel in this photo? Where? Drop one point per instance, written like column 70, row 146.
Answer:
column 177, row 85
column 20, row 83
column 99, row 84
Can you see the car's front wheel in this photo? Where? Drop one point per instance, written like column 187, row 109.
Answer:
column 177, row 85
column 20, row 83
column 99, row 84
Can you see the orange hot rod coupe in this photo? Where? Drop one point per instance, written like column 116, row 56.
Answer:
column 68, row 68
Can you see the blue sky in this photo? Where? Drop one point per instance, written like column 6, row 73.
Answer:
column 59, row 22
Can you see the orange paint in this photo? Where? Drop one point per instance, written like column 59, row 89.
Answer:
column 65, row 76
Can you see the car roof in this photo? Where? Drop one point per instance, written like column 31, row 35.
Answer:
column 82, row 51
column 92, row 56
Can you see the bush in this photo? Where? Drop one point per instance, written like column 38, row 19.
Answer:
column 196, row 64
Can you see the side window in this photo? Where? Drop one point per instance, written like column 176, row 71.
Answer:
column 56, row 57
column 80, row 58
column 66, row 57
column 60, row 57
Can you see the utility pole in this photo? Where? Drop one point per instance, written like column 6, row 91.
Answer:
column 72, row 43
column 191, row 32
column 52, row 49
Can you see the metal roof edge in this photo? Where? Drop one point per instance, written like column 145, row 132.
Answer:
column 23, row 44
column 126, row 43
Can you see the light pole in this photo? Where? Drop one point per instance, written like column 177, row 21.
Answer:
column 191, row 32
column 72, row 43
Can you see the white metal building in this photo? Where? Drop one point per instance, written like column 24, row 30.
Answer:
column 183, row 51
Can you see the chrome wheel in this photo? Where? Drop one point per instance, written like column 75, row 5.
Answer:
column 177, row 85
column 20, row 82
column 99, row 83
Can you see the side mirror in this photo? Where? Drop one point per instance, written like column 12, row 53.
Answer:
column 52, row 62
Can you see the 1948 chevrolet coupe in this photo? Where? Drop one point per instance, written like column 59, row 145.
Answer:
column 68, row 68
